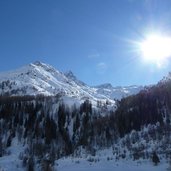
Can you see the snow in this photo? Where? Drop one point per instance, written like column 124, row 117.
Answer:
column 11, row 162
column 117, row 92
column 80, row 164
column 104, row 160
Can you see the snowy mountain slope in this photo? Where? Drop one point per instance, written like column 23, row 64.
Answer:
column 40, row 78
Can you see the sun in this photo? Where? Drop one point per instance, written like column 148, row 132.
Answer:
column 155, row 48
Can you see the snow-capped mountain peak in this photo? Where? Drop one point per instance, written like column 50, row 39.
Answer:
column 45, row 67
column 40, row 78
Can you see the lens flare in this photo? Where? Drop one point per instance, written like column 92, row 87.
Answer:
column 156, row 48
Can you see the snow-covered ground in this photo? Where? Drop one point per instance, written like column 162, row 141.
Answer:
column 103, row 161
column 10, row 161
column 80, row 164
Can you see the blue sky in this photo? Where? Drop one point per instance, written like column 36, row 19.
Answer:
column 90, row 37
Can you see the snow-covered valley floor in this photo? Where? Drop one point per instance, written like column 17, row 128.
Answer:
column 83, row 165
column 103, row 161
column 12, row 163
column 105, row 165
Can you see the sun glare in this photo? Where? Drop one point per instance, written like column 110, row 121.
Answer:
column 156, row 48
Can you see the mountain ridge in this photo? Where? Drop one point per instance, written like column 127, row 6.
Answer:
column 41, row 78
